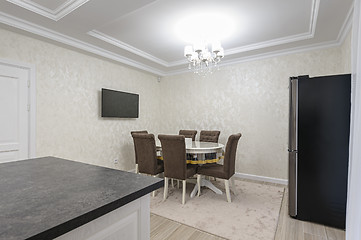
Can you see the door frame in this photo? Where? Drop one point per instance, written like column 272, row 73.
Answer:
column 30, row 68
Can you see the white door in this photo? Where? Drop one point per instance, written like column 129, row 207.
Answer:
column 14, row 113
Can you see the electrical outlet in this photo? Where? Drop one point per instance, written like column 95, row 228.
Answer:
column 115, row 161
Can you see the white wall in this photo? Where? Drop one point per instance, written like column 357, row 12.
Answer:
column 353, row 214
column 68, row 97
column 251, row 98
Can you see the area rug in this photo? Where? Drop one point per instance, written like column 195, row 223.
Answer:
column 252, row 215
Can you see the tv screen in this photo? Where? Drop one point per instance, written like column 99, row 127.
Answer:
column 119, row 104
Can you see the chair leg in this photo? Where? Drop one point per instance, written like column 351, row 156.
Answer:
column 136, row 168
column 226, row 183
column 178, row 183
column 233, row 186
column 184, row 192
column 153, row 193
column 165, row 188
column 172, row 182
column 199, row 184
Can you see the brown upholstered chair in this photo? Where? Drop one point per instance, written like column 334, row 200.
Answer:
column 189, row 134
column 209, row 136
column 225, row 171
column 175, row 164
column 135, row 150
column 147, row 155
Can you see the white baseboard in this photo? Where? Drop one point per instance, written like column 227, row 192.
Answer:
column 253, row 177
column 261, row 178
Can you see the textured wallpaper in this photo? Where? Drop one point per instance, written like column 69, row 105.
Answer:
column 68, row 102
column 251, row 98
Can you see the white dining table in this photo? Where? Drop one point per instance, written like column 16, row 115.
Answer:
column 199, row 149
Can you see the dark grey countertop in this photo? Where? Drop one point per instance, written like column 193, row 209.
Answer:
column 43, row 198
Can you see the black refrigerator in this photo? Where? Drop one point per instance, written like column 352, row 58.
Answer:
column 319, row 127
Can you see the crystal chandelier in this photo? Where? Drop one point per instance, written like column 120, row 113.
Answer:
column 200, row 59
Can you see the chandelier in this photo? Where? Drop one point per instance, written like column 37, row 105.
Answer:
column 201, row 59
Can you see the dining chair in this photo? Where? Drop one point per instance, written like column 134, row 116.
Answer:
column 145, row 149
column 135, row 150
column 225, row 171
column 189, row 134
column 209, row 136
column 175, row 164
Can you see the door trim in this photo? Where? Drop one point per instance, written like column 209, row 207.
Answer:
column 32, row 100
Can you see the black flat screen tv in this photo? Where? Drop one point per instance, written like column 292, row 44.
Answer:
column 117, row 104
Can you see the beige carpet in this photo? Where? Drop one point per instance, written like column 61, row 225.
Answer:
column 252, row 215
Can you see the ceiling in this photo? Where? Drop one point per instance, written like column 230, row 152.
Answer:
column 143, row 33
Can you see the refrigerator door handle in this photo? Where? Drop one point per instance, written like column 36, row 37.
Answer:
column 293, row 115
column 292, row 147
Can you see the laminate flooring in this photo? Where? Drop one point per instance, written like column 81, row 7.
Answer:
column 162, row 228
column 290, row 228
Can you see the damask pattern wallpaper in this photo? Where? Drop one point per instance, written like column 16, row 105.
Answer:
column 250, row 97
column 68, row 102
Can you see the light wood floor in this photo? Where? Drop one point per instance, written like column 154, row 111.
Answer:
column 290, row 228
column 163, row 228
column 287, row 229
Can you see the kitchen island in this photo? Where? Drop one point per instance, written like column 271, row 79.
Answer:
column 47, row 198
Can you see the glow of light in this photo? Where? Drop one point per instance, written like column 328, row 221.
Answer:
column 209, row 27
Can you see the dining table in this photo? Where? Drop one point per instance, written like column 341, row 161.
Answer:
column 200, row 153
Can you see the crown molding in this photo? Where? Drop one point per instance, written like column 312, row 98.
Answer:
column 262, row 56
column 53, row 35
column 271, row 43
column 50, row 34
column 60, row 12
column 274, row 42
column 279, row 41
column 106, row 38
column 346, row 26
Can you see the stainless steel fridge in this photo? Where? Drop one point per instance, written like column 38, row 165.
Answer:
column 319, row 126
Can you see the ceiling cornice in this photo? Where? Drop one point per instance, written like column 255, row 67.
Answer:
column 266, row 55
column 346, row 26
column 298, row 37
column 274, row 42
column 106, row 38
column 60, row 12
column 345, row 29
column 53, row 35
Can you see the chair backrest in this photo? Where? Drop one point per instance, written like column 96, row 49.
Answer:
column 230, row 154
column 174, row 156
column 189, row 134
column 135, row 150
column 209, row 136
column 140, row 131
column 145, row 150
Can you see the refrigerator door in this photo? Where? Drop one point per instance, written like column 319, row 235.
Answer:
column 323, row 144
column 292, row 147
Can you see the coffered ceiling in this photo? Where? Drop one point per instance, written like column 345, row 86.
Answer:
column 145, row 33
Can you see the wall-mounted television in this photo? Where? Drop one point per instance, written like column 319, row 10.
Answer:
column 119, row 104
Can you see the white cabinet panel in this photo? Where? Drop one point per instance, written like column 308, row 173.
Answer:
column 131, row 222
